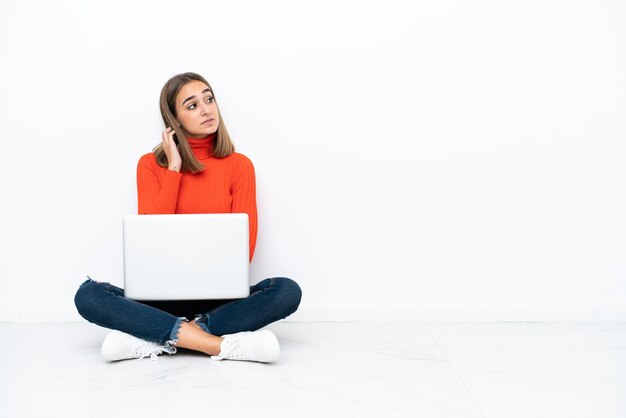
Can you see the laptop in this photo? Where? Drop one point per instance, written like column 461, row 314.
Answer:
column 186, row 256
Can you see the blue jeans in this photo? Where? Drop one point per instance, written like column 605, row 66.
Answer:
column 159, row 321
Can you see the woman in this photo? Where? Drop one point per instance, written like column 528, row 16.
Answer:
column 193, row 170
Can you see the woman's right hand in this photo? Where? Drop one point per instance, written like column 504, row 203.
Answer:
column 174, row 161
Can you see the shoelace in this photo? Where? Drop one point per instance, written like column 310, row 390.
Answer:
column 146, row 349
column 236, row 349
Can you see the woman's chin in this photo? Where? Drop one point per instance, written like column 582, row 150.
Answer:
column 202, row 133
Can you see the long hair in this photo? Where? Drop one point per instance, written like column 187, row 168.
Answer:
column 223, row 146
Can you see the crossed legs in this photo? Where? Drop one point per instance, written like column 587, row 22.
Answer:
column 270, row 300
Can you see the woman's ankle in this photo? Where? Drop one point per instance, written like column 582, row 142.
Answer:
column 193, row 337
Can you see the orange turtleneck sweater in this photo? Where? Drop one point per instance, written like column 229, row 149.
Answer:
column 226, row 185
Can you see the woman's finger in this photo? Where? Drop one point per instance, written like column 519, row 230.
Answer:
column 168, row 136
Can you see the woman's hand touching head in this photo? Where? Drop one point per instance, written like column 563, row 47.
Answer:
column 174, row 162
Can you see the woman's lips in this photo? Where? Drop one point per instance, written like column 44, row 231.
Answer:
column 209, row 122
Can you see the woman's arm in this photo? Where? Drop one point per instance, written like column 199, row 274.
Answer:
column 243, row 192
column 159, row 194
column 153, row 195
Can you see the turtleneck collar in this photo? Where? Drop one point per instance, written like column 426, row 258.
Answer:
column 202, row 147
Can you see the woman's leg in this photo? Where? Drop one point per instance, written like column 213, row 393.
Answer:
column 104, row 304
column 270, row 300
column 193, row 337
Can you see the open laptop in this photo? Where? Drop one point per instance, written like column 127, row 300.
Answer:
column 186, row 256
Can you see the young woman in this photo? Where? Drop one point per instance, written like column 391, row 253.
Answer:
column 193, row 170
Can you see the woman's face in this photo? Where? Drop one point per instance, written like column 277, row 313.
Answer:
column 196, row 110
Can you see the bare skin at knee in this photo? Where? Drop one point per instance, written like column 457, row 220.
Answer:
column 191, row 336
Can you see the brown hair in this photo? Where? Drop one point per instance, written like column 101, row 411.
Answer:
column 223, row 146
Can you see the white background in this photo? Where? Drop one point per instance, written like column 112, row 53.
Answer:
column 434, row 160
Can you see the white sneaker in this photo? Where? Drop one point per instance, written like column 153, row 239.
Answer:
column 249, row 345
column 120, row 346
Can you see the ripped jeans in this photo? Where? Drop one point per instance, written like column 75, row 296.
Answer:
column 159, row 321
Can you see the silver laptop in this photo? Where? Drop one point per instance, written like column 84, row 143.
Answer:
column 186, row 257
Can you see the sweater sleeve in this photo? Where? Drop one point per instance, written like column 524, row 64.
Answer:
column 243, row 191
column 156, row 194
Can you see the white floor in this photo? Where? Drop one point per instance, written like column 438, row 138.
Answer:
column 328, row 369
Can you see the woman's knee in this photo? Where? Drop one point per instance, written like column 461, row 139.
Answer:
column 290, row 293
column 86, row 298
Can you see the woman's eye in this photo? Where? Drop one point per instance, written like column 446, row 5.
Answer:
column 191, row 106
column 209, row 99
